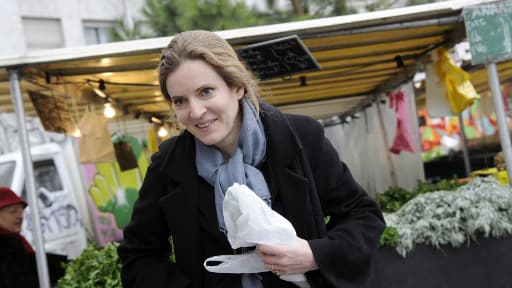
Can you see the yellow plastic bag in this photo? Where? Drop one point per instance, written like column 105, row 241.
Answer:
column 459, row 90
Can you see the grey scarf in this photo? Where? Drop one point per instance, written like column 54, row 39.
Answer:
column 239, row 168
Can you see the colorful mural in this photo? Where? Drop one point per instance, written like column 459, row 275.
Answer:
column 112, row 193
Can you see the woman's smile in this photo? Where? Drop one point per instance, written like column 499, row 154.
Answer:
column 205, row 125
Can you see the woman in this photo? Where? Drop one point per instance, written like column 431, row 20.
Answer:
column 17, row 262
column 233, row 137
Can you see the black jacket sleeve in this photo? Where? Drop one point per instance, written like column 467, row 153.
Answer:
column 355, row 220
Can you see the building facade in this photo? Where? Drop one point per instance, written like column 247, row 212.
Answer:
column 27, row 25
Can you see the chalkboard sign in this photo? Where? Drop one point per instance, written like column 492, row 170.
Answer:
column 489, row 30
column 278, row 58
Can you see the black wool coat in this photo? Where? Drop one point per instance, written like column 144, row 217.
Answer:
column 18, row 268
column 307, row 182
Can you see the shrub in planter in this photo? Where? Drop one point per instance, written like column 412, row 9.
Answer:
column 395, row 197
column 481, row 207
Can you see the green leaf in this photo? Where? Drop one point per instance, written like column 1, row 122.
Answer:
column 95, row 267
column 389, row 237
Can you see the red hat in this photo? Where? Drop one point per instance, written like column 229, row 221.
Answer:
column 8, row 198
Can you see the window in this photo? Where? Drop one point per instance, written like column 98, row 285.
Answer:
column 6, row 173
column 46, row 176
column 42, row 33
column 96, row 32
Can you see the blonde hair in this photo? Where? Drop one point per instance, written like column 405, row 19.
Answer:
column 216, row 52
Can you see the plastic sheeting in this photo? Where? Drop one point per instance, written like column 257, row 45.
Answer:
column 363, row 144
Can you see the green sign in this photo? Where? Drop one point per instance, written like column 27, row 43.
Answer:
column 489, row 30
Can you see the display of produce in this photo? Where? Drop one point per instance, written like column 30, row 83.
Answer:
column 482, row 207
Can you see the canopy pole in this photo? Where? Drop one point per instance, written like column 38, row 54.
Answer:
column 42, row 266
column 500, row 117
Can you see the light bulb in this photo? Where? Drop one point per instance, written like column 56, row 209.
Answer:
column 162, row 132
column 77, row 133
column 155, row 120
column 109, row 111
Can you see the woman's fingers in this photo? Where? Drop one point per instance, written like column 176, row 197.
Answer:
column 268, row 250
column 291, row 259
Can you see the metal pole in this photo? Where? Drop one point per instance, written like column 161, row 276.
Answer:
column 467, row 163
column 500, row 117
column 42, row 266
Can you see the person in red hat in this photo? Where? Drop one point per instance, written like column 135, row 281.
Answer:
column 11, row 211
column 17, row 259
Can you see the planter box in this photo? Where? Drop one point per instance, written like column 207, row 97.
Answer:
column 486, row 263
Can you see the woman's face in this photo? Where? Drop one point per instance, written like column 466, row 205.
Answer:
column 11, row 217
column 204, row 103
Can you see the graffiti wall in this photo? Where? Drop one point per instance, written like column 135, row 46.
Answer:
column 112, row 193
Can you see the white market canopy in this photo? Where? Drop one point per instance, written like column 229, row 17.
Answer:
column 360, row 56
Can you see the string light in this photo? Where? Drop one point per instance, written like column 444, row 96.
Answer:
column 162, row 132
column 77, row 133
column 109, row 110
column 154, row 119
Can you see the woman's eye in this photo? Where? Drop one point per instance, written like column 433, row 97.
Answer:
column 177, row 101
column 206, row 91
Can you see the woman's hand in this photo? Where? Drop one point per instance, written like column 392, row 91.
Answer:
column 288, row 259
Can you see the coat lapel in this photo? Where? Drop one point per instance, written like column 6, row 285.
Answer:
column 195, row 201
column 180, row 206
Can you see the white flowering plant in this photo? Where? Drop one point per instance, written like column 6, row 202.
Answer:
column 482, row 207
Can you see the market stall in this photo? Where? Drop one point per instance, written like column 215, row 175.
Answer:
column 365, row 60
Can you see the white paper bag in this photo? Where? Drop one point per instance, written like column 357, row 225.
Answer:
column 249, row 221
